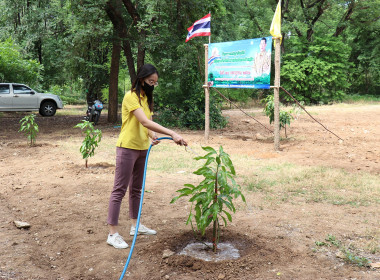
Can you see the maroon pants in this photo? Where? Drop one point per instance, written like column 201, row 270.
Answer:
column 129, row 172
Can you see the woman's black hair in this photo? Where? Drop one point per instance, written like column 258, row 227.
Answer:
column 145, row 71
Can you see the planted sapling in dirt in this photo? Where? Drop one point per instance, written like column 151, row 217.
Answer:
column 29, row 127
column 91, row 141
column 213, row 198
column 285, row 117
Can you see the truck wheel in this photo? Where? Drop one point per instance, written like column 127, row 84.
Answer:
column 48, row 109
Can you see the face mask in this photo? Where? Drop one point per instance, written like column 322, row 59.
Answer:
column 147, row 88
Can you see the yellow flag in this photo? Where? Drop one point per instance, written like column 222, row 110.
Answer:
column 275, row 28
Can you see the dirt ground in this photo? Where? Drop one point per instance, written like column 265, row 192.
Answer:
column 66, row 204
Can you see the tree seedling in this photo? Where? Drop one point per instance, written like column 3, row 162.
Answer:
column 285, row 117
column 91, row 141
column 29, row 127
column 212, row 198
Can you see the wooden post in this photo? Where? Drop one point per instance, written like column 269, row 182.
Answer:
column 207, row 96
column 277, row 95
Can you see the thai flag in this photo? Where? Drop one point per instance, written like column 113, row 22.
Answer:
column 200, row 28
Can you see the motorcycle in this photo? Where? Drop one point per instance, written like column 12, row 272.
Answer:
column 93, row 111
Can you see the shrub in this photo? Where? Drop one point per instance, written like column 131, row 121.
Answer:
column 316, row 72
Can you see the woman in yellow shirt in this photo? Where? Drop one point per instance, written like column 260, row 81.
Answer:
column 136, row 129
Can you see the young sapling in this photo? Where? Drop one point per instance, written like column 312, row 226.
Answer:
column 213, row 197
column 91, row 141
column 29, row 127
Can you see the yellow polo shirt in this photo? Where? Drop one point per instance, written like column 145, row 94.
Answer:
column 133, row 134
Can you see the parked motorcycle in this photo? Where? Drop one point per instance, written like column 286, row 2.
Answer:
column 93, row 111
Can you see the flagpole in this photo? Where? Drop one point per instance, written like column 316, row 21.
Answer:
column 207, row 91
column 275, row 30
column 209, row 37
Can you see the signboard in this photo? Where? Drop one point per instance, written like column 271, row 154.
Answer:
column 240, row 64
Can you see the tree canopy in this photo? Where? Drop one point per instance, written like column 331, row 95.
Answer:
column 329, row 49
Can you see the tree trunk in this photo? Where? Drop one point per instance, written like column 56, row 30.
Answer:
column 119, row 24
column 114, row 80
column 130, row 61
column 38, row 45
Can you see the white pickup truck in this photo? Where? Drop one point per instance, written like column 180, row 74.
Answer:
column 19, row 97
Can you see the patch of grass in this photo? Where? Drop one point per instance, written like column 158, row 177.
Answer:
column 261, row 185
column 74, row 110
column 313, row 184
column 356, row 98
column 168, row 157
column 346, row 253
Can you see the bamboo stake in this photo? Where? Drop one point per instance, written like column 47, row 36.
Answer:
column 207, row 96
column 277, row 95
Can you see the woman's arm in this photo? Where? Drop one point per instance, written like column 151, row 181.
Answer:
column 151, row 125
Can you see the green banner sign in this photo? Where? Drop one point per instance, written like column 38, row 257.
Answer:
column 240, row 64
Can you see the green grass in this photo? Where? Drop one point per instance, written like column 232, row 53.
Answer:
column 290, row 183
column 355, row 98
column 167, row 157
column 73, row 110
column 347, row 253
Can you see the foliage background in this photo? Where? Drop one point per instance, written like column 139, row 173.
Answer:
column 330, row 49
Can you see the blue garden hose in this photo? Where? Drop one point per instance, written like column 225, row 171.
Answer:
column 140, row 207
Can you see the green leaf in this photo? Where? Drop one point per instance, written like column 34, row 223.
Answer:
column 175, row 199
column 228, row 215
column 197, row 211
column 221, row 150
column 227, row 161
column 218, row 160
column 199, row 158
column 209, row 150
column 189, row 218
column 205, row 171
column 225, row 221
column 242, row 197
column 209, row 160
column 185, row 191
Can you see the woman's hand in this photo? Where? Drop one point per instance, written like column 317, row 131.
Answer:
column 178, row 139
column 154, row 140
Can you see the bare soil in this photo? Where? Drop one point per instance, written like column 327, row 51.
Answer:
column 66, row 204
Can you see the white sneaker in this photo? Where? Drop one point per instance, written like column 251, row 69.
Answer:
column 117, row 241
column 142, row 230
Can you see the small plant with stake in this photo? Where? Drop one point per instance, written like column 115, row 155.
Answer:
column 29, row 127
column 214, row 194
column 91, row 140
column 285, row 117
